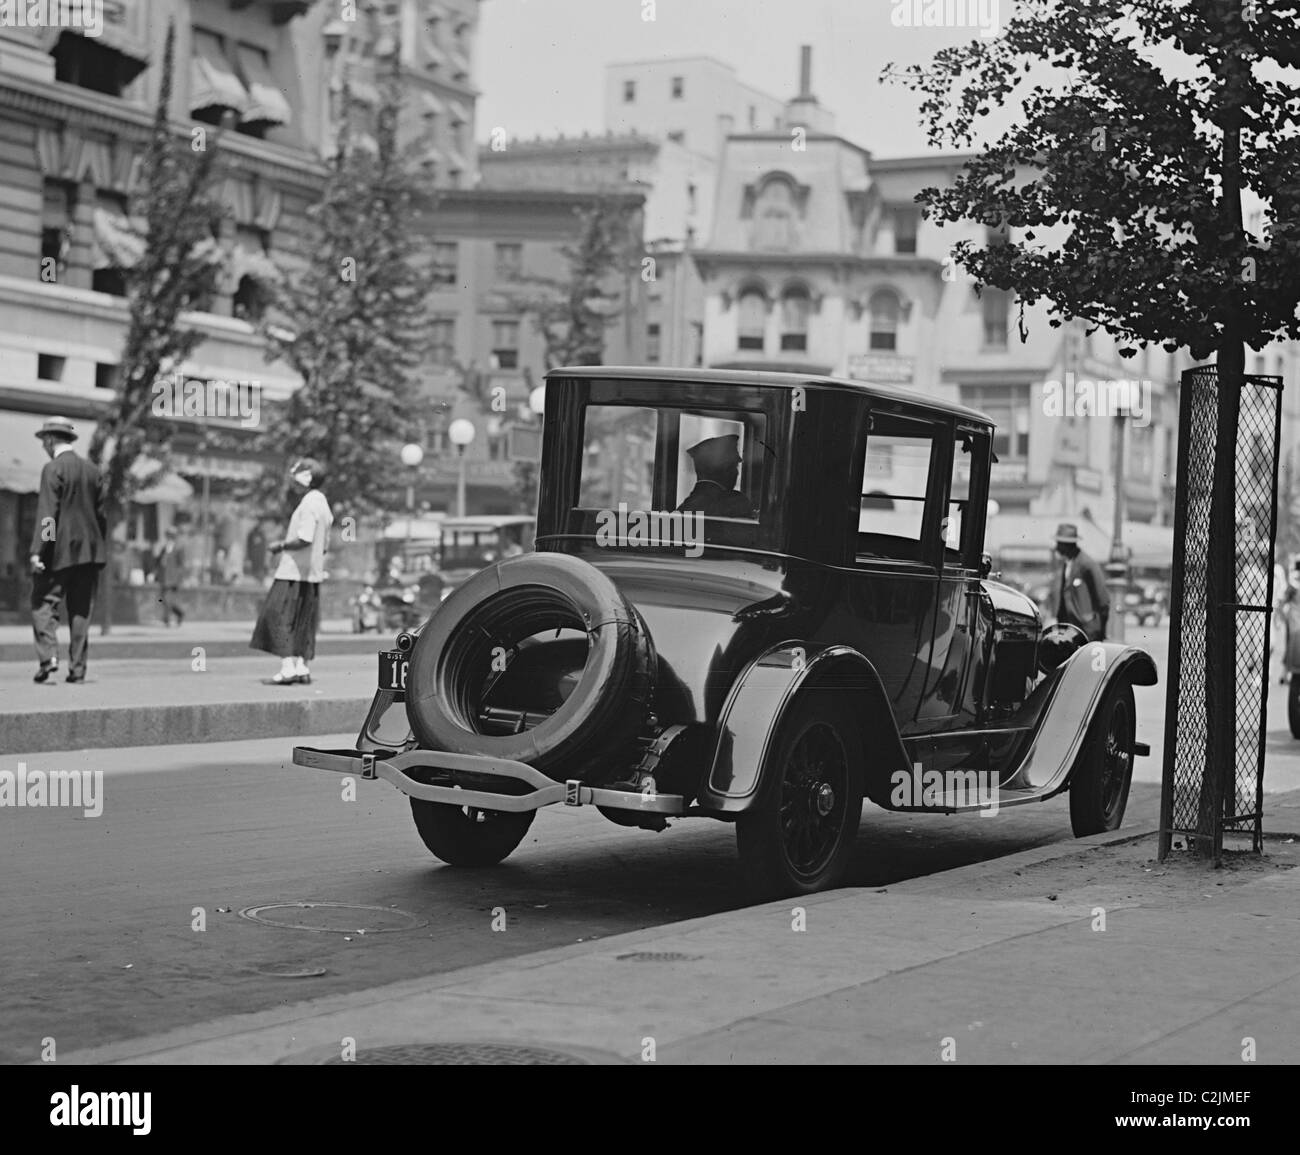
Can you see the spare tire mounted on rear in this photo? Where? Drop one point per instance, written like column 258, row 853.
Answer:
column 525, row 605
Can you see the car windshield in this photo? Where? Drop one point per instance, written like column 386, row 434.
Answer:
column 675, row 458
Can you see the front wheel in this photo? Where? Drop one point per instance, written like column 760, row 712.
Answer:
column 799, row 837
column 1100, row 783
column 465, row 836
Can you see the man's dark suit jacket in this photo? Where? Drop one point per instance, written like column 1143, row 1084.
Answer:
column 1085, row 596
column 712, row 500
column 71, row 500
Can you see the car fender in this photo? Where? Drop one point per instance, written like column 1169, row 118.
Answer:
column 759, row 701
column 1063, row 723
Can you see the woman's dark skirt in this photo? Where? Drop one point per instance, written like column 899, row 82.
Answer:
column 289, row 620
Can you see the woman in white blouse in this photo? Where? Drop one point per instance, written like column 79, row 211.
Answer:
column 290, row 615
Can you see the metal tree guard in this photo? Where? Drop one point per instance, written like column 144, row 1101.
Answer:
column 1191, row 772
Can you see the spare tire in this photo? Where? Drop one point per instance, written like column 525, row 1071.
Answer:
column 459, row 652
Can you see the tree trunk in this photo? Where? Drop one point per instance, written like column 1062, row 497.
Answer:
column 106, row 583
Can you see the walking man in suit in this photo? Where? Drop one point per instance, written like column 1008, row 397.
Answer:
column 168, row 566
column 1079, row 588
column 68, row 549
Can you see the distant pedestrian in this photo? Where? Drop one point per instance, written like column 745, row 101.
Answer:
column 168, row 567
column 68, row 549
column 291, row 613
column 255, row 552
column 1079, row 587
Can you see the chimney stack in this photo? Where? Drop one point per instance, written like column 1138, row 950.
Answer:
column 805, row 72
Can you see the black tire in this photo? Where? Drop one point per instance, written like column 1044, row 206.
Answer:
column 1103, row 772
column 789, row 843
column 1293, row 705
column 462, row 836
column 588, row 733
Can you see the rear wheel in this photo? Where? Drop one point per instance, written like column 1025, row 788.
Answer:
column 1100, row 783
column 1293, row 705
column 799, row 837
column 465, row 836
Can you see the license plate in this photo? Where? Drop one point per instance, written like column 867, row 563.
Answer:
column 393, row 667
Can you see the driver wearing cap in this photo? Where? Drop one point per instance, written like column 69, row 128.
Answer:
column 717, row 469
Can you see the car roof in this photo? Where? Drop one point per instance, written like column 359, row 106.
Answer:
column 768, row 378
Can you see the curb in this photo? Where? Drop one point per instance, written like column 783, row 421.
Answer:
column 134, row 649
column 111, row 728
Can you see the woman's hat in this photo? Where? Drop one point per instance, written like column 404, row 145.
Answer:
column 58, row 427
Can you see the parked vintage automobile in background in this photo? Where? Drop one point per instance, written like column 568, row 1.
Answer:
column 755, row 597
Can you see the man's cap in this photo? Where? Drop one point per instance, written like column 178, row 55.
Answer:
column 716, row 452
column 1067, row 533
column 58, row 427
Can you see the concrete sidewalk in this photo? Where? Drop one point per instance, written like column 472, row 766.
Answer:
column 144, row 702
column 1002, row 962
column 151, row 640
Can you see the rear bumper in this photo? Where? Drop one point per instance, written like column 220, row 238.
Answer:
column 523, row 787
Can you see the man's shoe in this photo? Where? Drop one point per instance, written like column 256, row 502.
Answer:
column 75, row 678
column 43, row 673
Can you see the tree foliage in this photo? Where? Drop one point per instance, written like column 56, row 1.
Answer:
column 353, row 322
column 1141, row 161
column 177, row 270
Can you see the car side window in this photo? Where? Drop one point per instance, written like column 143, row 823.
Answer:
column 895, row 484
column 955, row 526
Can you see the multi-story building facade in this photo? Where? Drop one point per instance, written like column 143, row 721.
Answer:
column 75, row 114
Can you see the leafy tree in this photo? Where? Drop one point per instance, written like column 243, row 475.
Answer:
column 177, row 270
column 1145, row 165
column 353, row 323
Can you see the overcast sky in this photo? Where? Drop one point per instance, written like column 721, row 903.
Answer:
column 540, row 63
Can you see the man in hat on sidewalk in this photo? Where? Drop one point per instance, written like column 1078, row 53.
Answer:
column 68, row 549
column 717, row 468
column 1079, row 588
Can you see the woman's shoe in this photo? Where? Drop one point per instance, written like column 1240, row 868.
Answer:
column 282, row 680
column 305, row 679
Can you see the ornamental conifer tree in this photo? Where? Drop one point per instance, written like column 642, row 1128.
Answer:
column 1144, row 123
column 353, row 323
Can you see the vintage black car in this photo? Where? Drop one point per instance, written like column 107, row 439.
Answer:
column 755, row 597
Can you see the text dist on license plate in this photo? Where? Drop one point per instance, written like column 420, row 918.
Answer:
column 393, row 665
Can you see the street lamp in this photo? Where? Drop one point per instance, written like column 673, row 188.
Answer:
column 1117, row 566
column 412, row 454
column 460, row 433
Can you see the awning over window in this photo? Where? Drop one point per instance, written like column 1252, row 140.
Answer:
column 267, row 104
column 123, row 31
column 213, row 83
column 246, row 262
column 118, row 242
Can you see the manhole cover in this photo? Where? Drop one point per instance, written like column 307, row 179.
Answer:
column 462, row 1054
column 290, row 971
column 334, row 917
column 657, row 956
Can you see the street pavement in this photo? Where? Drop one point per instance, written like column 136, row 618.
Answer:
column 591, row 939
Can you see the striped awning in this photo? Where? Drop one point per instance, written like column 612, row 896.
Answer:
column 267, row 104
column 213, row 83
column 123, row 30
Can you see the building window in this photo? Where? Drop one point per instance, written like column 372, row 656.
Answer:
column 445, row 255
column 442, row 340
column 49, row 367
column 905, row 224
column 629, row 91
column 250, row 300
column 57, row 211
column 652, row 343
column 774, row 216
column 85, row 62
column 997, row 310
column 110, row 277
column 679, row 87
column 753, row 320
column 885, row 309
column 795, row 307
column 697, row 342
column 214, row 87
column 1008, row 405
column 106, row 375
column 510, row 261
column 505, row 344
